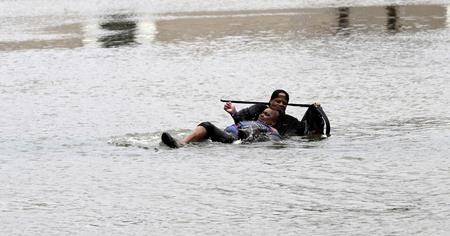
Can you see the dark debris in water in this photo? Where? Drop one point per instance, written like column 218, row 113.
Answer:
column 317, row 209
column 353, row 158
column 399, row 209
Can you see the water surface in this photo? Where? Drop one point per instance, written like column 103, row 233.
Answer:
column 87, row 89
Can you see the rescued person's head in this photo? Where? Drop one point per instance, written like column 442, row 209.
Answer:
column 269, row 116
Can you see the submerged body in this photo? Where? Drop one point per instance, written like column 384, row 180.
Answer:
column 253, row 131
column 248, row 131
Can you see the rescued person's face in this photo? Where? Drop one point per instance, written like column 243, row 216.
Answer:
column 269, row 116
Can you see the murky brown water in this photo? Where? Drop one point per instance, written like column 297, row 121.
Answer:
column 87, row 88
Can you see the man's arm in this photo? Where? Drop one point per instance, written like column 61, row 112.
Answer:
column 249, row 113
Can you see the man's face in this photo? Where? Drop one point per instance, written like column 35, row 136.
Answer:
column 268, row 116
column 279, row 103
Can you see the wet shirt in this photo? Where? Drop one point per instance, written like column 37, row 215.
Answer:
column 253, row 131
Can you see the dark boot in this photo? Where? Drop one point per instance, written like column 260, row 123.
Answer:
column 168, row 140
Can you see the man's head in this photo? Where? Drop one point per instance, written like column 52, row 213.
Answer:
column 269, row 116
column 279, row 100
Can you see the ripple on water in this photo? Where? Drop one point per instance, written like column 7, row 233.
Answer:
column 87, row 91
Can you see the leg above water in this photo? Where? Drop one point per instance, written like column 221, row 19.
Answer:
column 199, row 134
column 216, row 134
column 202, row 132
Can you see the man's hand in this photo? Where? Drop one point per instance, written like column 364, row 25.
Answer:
column 316, row 104
column 230, row 108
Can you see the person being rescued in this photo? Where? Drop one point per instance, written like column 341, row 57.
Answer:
column 312, row 122
column 248, row 131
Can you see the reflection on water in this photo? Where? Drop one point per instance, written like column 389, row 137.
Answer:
column 392, row 19
column 301, row 22
column 60, row 36
column 123, row 29
column 384, row 171
column 343, row 18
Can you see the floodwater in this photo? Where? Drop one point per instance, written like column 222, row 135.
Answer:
column 87, row 88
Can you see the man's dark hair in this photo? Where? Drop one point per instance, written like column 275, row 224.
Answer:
column 277, row 92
